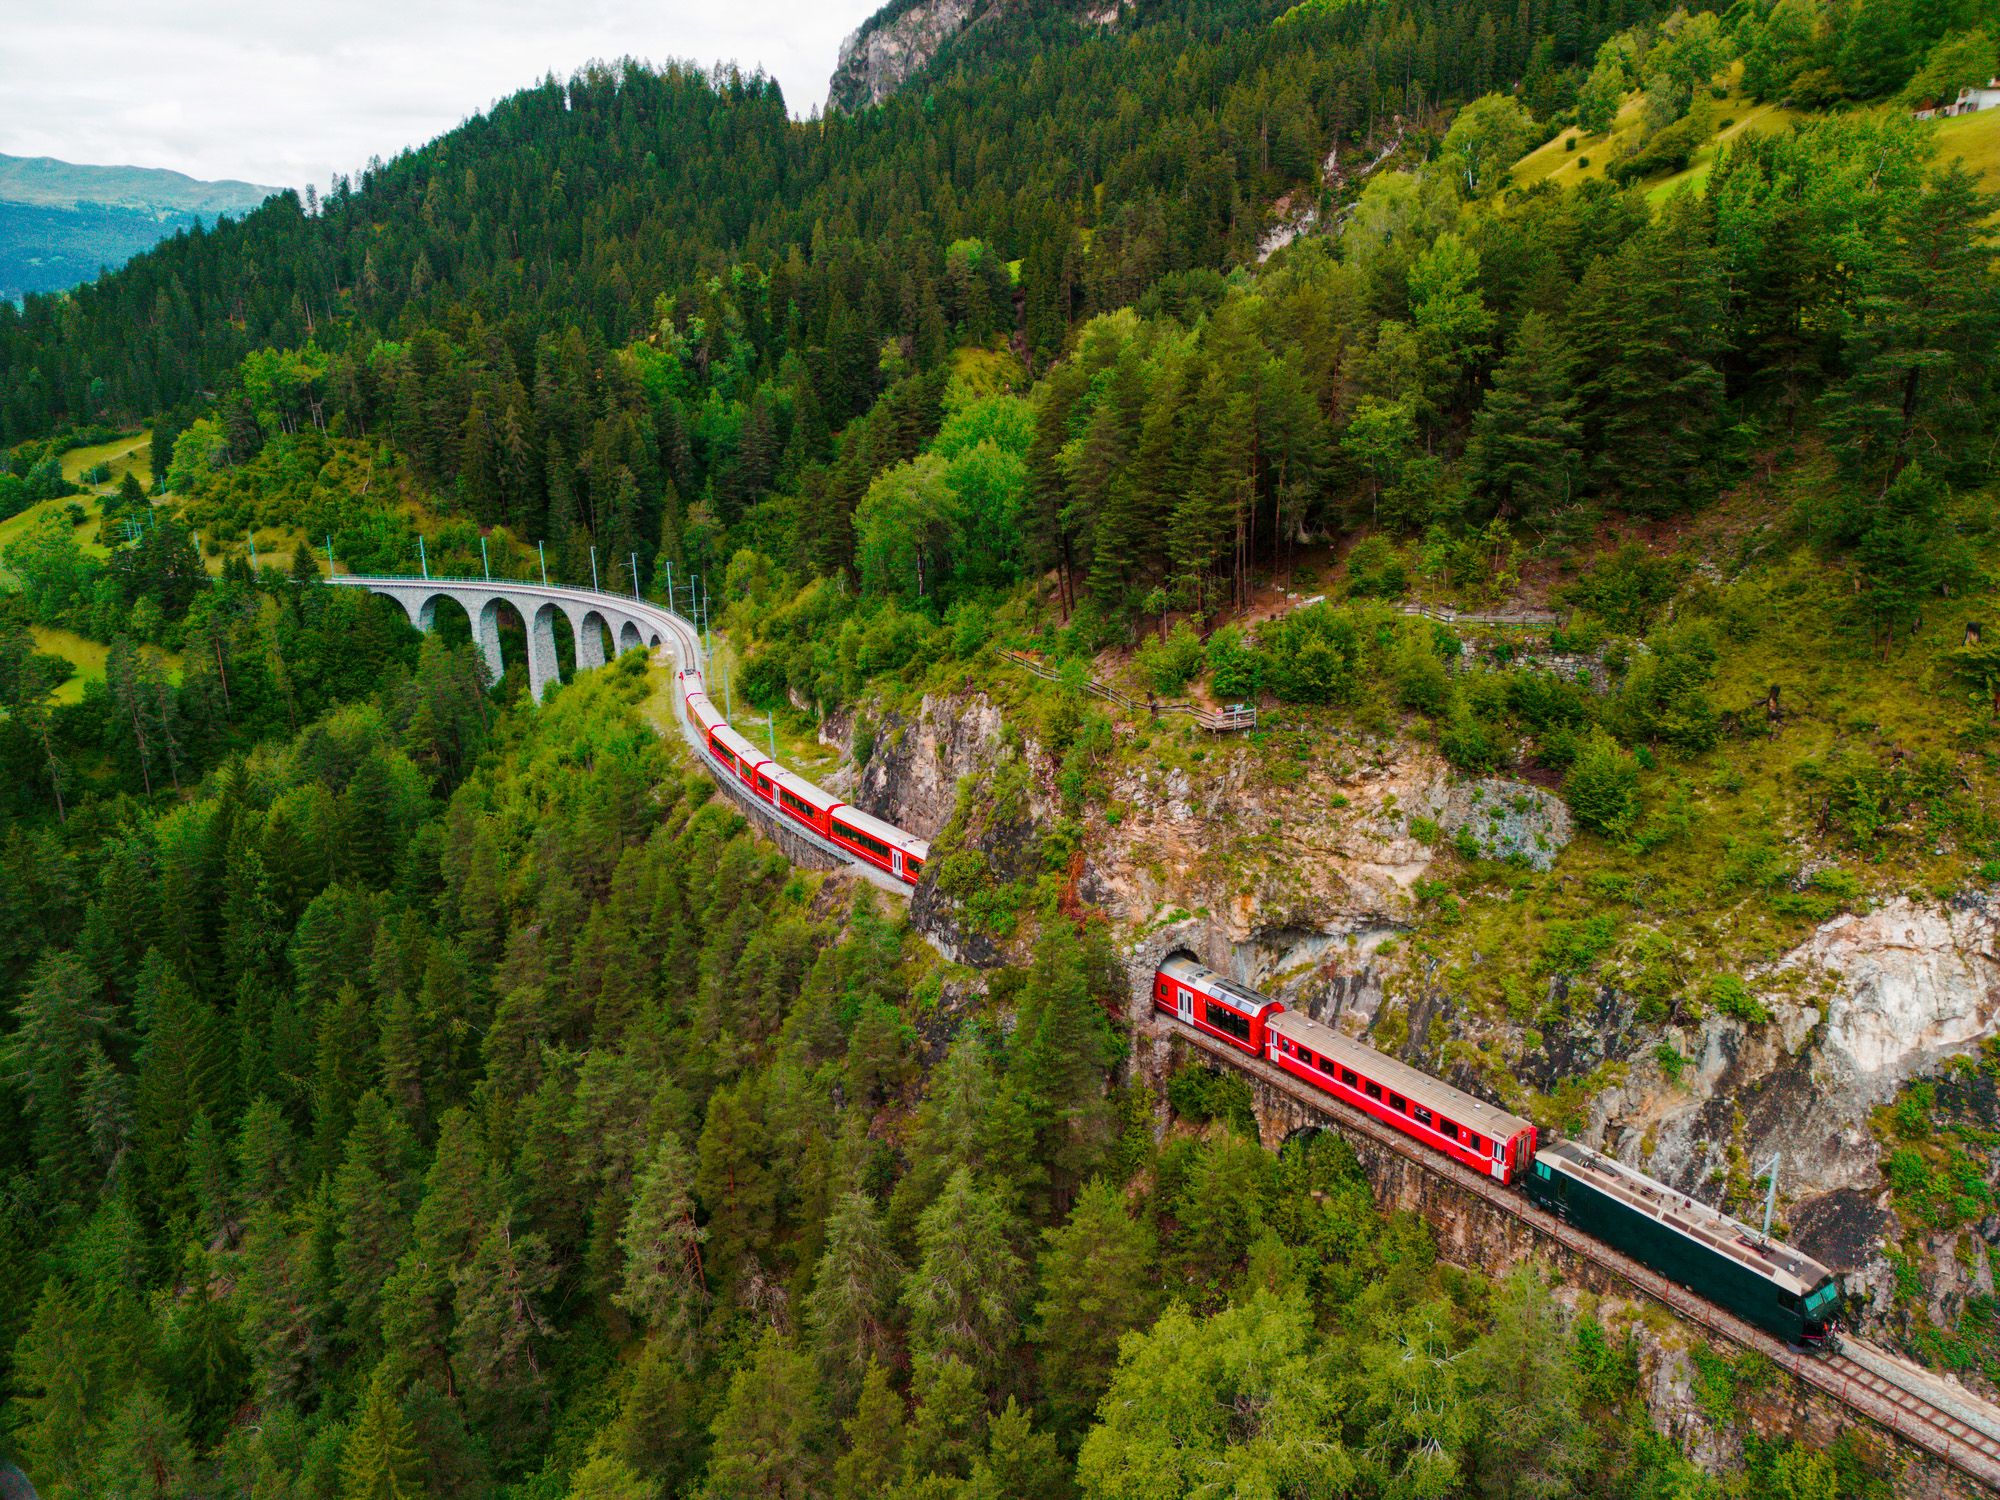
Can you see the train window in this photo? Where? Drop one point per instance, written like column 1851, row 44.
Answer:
column 1422, row 1115
column 1347, row 1077
column 1372, row 1090
column 795, row 805
column 1446, row 1129
column 914, row 866
column 1396, row 1103
column 1474, row 1141
column 868, row 845
column 1222, row 1018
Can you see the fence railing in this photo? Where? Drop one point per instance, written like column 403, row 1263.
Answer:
column 1236, row 716
column 1525, row 619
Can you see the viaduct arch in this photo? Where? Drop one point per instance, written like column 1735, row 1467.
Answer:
column 589, row 618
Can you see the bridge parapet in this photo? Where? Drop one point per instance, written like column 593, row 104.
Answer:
column 588, row 615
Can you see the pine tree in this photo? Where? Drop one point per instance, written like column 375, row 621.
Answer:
column 379, row 1460
column 663, row 1282
column 962, row 1296
column 1649, row 329
column 948, row 1428
column 773, row 1433
column 871, row 1460
column 183, row 1073
column 852, row 1305
column 1525, row 438
column 1099, row 1276
column 734, row 1179
column 60, row 1023
column 1917, row 348
column 1020, row 1463
column 496, row 1350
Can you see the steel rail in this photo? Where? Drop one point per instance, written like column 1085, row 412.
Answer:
column 1906, row 1413
column 686, row 642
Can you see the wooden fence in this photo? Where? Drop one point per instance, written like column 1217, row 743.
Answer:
column 1217, row 720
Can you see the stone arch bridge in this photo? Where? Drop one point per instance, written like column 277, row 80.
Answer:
column 588, row 615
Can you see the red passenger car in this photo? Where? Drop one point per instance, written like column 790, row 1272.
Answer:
column 1472, row 1132
column 1206, row 1001
column 868, row 838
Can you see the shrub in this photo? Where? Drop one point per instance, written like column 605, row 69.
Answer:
column 1236, row 668
column 1471, row 743
column 1729, row 995
column 1602, row 785
column 1375, row 570
column 1198, row 1093
column 1314, row 656
column 1169, row 665
column 1422, row 681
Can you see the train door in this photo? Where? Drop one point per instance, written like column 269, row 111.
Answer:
column 1184, row 1003
column 1499, row 1167
column 896, row 863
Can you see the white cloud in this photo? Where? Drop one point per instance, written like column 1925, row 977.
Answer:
column 291, row 94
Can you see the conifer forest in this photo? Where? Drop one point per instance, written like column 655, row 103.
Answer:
column 1571, row 425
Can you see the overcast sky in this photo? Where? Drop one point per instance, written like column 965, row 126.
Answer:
column 290, row 93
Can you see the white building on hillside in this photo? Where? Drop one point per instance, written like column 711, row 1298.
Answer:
column 1971, row 99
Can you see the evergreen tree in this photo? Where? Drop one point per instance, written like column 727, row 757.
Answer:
column 871, row 1462
column 1649, row 329
column 851, row 1307
column 962, row 1295
column 1525, row 439
column 1098, row 1278
column 379, row 1460
column 663, row 1283
column 772, row 1434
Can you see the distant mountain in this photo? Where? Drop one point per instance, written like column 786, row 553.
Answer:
column 62, row 223
column 48, row 183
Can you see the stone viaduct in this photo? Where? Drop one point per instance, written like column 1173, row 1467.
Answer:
column 590, row 616
column 593, row 617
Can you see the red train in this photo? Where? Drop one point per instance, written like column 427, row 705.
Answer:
column 868, row 838
column 1482, row 1136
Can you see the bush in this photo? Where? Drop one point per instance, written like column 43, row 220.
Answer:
column 1236, row 668
column 1198, row 1094
column 1375, row 570
column 1730, row 996
column 1602, row 785
column 1472, row 744
column 1170, row 665
column 1422, row 681
column 1315, row 656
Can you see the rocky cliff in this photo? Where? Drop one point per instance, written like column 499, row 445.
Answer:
column 1304, row 869
column 899, row 40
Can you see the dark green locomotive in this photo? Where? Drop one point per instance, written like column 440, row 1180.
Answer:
column 1773, row 1286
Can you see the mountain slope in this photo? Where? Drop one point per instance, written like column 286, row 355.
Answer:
column 62, row 223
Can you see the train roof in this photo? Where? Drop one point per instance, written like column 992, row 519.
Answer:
column 1790, row 1269
column 744, row 748
column 888, row 833
column 805, row 791
column 698, row 704
column 1417, row 1087
column 1189, row 971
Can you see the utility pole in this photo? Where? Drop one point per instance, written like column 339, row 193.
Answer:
column 593, row 571
column 728, row 709
column 253, row 552
column 329, row 554
column 635, row 574
column 1769, row 1169
column 485, row 566
column 670, row 587
column 423, row 558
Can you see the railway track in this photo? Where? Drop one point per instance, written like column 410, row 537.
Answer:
column 1952, row 1426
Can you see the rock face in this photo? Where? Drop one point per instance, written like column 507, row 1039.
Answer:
column 1863, row 1006
column 897, row 41
column 876, row 59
